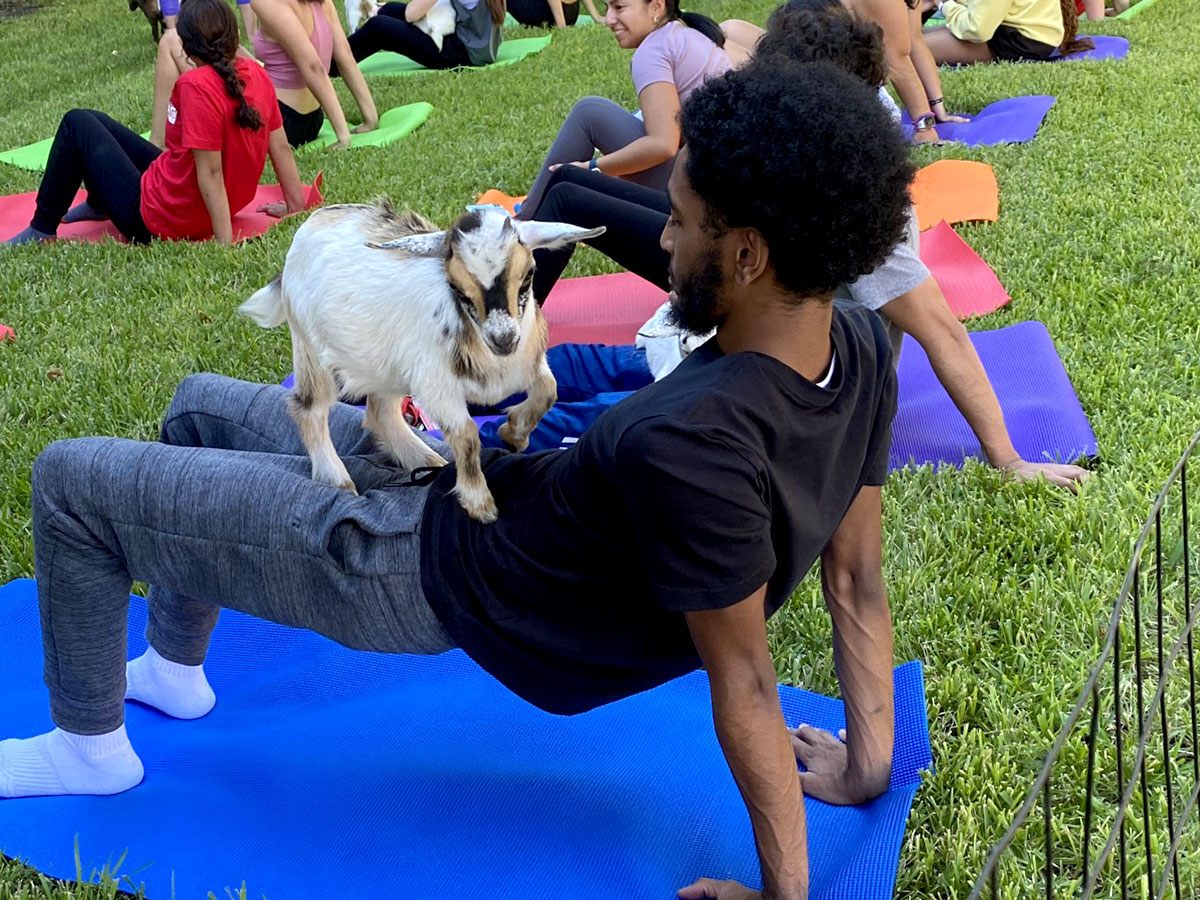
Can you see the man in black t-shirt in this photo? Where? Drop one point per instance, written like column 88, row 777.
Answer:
column 662, row 541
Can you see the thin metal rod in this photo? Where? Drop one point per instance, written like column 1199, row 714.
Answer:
column 1049, row 841
column 1120, row 766
column 1093, row 728
column 1162, row 705
column 1141, row 711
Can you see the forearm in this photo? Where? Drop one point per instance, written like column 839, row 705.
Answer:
column 284, row 164
column 358, row 90
column 644, row 153
column 908, row 85
column 753, row 735
column 249, row 20
column 556, row 10
column 212, row 189
column 922, row 60
column 957, row 365
column 318, row 82
column 590, row 6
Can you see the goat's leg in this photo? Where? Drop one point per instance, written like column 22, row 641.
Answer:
column 385, row 420
column 462, row 435
column 524, row 417
column 313, row 396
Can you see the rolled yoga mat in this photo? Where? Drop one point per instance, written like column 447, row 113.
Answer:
column 393, row 125
column 1010, row 121
column 1043, row 414
column 17, row 209
column 385, row 63
column 329, row 772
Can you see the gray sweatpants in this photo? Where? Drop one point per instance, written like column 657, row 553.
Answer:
column 221, row 513
column 594, row 123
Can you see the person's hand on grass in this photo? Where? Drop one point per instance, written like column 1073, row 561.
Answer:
column 718, row 890
column 828, row 776
column 1057, row 474
column 365, row 127
column 939, row 113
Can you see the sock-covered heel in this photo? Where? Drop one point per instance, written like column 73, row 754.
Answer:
column 180, row 691
column 59, row 763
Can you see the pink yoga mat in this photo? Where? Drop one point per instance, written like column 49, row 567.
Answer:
column 17, row 209
column 970, row 285
column 600, row 309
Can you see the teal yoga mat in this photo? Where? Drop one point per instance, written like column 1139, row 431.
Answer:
column 381, row 64
column 393, row 125
column 326, row 772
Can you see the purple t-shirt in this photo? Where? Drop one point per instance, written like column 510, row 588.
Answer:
column 678, row 55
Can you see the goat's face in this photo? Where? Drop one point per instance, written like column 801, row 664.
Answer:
column 490, row 273
column 489, row 268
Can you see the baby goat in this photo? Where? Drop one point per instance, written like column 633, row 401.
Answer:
column 438, row 22
column 388, row 306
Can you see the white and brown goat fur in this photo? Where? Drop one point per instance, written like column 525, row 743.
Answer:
column 386, row 305
column 438, row 22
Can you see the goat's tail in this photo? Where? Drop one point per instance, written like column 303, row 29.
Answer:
column 266, row 305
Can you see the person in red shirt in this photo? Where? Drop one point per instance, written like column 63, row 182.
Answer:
column 222, row 123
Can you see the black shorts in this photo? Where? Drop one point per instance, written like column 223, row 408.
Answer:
column 536, row 13
column 1009, row 44
column 301, row 128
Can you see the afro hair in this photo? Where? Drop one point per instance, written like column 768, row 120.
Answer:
column 805, row 154
column 832, row 34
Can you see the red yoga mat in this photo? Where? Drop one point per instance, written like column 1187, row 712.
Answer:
column 970, row 285
column 17, row 209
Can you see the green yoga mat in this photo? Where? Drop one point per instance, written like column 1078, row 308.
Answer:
column 393, row 125
column 1138, row 7
column 33, row 157
column 584, row 19
column 395, row 64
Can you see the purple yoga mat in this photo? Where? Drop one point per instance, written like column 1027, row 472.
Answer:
column 1011, row 121
column 1043, row 415
column 1107, row 47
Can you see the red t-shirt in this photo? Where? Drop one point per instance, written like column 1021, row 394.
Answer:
column 202, row 116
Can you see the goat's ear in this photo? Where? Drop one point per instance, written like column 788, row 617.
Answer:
column 432, row 244
column 552, row 235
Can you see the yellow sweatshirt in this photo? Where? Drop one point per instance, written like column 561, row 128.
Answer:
column 976, row 20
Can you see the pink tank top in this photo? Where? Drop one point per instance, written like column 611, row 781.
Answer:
column 284, row 73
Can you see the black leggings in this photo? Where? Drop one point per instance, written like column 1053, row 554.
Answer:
column 634, row 216
column 388, row 30
column 108, row 159
column 536, row 13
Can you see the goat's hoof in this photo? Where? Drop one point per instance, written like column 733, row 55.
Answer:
column 347, row 486
column 508, row 434
column 484, row 512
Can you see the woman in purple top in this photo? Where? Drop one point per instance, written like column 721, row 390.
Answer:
column 673, row 53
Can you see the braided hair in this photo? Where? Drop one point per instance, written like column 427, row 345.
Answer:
column 1071, row 43
column 209, row 33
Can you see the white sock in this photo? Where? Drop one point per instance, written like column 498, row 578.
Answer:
column 60, row 762
column 179, row 691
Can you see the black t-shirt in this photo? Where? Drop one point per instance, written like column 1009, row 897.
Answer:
column 731, row 472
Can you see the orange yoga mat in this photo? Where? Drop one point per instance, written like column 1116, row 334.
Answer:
column 955, row 190
column 17, row 209
column 970, row 285
column 500, row 199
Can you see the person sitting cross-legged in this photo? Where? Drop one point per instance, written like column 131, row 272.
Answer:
column 717, row 488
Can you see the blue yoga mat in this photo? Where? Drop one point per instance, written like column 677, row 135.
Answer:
column 1107, row 47
column 329, row 772
column 1044, row 417
column 1011, row 121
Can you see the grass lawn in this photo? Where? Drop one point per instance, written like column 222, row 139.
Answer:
column 1002, row 590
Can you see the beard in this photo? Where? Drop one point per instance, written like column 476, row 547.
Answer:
column 696, row 301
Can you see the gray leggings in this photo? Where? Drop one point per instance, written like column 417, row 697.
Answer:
column 221, row 513
column 595, row 123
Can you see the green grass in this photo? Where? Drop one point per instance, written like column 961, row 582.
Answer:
column 1002, row 590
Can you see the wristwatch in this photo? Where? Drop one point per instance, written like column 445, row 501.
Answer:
column 925, row 122
column 594, row 165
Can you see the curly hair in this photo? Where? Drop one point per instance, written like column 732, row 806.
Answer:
column 209, row 34
column 832, row 34
column 805, row 154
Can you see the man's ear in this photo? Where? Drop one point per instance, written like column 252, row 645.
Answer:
column 752, row 256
